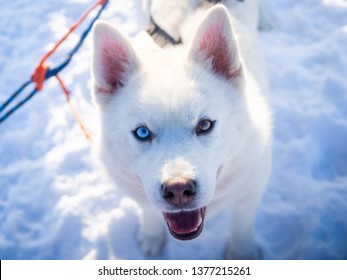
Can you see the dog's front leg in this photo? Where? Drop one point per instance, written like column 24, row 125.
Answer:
column 241, row 241
column 152, row 234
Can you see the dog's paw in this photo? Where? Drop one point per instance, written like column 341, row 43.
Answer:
column 152, row 232
column 152, row 245
column 253, row 253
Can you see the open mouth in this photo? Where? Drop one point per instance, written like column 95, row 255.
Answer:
column 186, row 225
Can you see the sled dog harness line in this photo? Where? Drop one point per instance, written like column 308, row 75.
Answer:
column 43, row 72
column 160, row 36
column 163, row 38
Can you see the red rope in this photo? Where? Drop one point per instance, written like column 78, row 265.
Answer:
column 39, row 74
column 72, row 29
column 75, row 113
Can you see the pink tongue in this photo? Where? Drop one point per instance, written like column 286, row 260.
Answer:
column 184, row 221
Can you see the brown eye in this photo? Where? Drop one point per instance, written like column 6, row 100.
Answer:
column 204, row 126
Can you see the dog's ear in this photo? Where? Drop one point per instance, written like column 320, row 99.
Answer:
column 214, row 46
column 114, row 60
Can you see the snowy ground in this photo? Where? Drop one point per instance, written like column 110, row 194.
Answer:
column 54, row 201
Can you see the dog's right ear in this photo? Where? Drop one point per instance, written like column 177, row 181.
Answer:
column 114, row 60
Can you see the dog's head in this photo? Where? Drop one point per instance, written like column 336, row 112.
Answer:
column 168, row 120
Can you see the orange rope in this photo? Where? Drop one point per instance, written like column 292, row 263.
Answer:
column 73, row 109
column 40, row 72
column 39, row 75
column 72, row 29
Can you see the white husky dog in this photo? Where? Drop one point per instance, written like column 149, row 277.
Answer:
column 186, row 131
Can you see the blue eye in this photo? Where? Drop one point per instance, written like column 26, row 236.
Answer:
column 142, row 133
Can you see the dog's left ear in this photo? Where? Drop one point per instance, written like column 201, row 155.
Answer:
column 214, row 46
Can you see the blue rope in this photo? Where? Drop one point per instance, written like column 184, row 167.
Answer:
column 14, row 95
column 17, row 106
column 50, row 72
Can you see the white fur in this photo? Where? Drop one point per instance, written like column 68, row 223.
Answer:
column 169, row 91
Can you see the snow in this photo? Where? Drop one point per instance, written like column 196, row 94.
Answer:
column 55, row 202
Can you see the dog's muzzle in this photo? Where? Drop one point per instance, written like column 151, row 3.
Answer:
column 185, row 224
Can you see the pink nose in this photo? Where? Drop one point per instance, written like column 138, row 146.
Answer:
column 179, row 192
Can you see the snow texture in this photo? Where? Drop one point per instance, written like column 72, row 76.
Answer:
column 55, row 202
